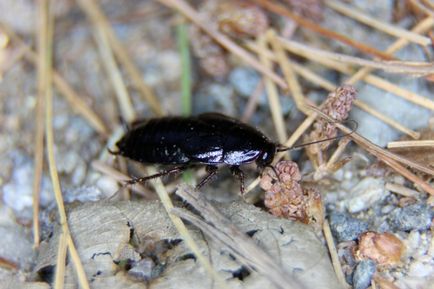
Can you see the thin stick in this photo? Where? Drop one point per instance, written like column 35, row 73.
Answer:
column 287, row 68
column 273, row 95
column 40, row 108
column 421, row 27
column 64, row 88
column 109, row 63
column 393, row 30
column 410, row 144
column 98, row 18
column 46, row 78
column 371, row 79
column 406, row 67
column 401, row 190
column 185, row 9
column 337, row 153
column 334, row 254
column 182, row 229
column 385, row 156
column 282, row 10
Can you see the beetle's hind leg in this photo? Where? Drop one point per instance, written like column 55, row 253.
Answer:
column 236, row 171
column 157, row 175
column 211, row 170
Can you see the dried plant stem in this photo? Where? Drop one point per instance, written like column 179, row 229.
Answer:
column 406, row 67
column 421, row 27
column 100, row 21
column 182, row 229
column 59, row 279
column 371, row 79
column 185, row 9
column 410, row 144
column 387, row 157
column 396, row 125
column 282, row 10
column 111, row 67
column 64, row 88
column 40, row 109
column 288, row 71
column 337, row 154
column 334, row 254
column 393, row 30
column 273, row 95
column 45, row 79
column 401, row 190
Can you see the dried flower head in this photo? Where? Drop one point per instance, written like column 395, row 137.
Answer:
column 383, row 248
column 284, row 196
column 337, row 105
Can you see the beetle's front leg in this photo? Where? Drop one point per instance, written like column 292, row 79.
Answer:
column 236, row 171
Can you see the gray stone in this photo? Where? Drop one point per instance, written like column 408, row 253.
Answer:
column 345, row 227
column 363, row 274
column 413, row 217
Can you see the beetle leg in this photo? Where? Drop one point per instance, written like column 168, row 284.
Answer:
column 160, row 174
column 211, row 170
column 236, row 171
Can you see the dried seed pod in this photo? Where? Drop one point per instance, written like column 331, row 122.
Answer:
column 284, row 196
column 383, row 248
column 337, row 105
column 238, row 19
column 241, row 19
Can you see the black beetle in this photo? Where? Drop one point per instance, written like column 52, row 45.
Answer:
column 209, row 139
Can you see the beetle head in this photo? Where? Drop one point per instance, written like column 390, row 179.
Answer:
column 266, row 157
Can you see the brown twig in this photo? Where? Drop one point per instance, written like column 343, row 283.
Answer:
column 282, row 10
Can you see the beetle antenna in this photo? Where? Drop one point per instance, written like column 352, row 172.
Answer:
column 274, row 170
column 282, row 148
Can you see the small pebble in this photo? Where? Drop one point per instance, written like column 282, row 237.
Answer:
column 363, row 274
column 413, row 217
column 421, row 268
column 345, row 227
column 366, row 193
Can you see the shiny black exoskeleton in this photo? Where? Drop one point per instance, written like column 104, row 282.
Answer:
column 209, row 139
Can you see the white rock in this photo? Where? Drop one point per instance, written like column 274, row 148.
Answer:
column 365, row 194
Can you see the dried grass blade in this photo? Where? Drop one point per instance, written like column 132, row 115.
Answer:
column 387, row 157
column 272, row 93
column 393, row 30
column 110, row 65
column 98, row 18
column 182, row 229
column 406, row 67
column 46, row 90
column 282, row 10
